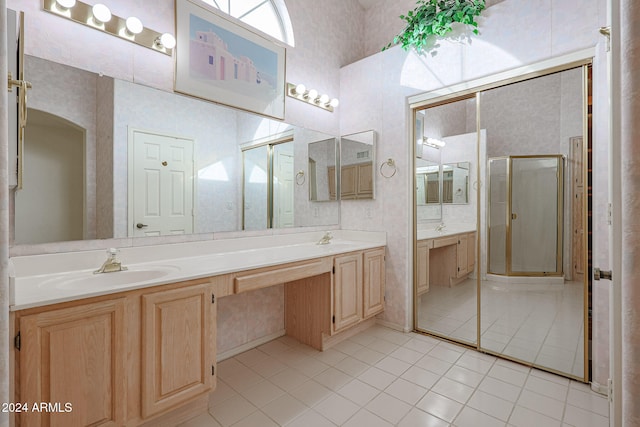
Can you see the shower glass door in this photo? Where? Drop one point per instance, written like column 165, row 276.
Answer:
column 536, row 215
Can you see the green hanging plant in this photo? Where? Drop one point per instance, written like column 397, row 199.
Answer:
column 434, row 18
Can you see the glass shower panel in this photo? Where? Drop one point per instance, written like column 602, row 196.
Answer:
column 536, row 208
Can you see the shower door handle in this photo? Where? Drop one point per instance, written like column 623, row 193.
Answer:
column 514, row 216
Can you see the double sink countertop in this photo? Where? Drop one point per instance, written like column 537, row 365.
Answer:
column 38, row 280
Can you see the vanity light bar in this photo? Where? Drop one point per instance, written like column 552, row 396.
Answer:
column 435, row 143
column 101, row 19
column 311, row 96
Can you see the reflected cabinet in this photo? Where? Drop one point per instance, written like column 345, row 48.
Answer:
column 502, row 218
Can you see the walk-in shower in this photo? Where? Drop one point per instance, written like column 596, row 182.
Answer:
column 526, row 215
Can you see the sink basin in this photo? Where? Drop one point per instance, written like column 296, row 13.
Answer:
column 119, row 278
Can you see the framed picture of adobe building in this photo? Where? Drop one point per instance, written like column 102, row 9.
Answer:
column 222, row 61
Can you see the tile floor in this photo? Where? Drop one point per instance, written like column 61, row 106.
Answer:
column 382, row 377
column 540, row 324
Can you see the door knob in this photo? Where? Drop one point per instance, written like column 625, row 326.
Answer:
column 141, row 225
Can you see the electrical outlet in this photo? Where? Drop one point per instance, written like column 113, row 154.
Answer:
column 368, row 213
column 316, row 212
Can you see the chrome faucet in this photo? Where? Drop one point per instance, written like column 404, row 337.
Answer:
column 112, row 264
column 440, row 226
column 326, row 239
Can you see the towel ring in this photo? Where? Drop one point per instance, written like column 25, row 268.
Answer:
column 392, row 165
column 300, row 178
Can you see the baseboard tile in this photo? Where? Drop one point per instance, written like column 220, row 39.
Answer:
column 248, row 346
column 393, row 326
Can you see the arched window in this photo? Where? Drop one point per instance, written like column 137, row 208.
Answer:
column 269, row 16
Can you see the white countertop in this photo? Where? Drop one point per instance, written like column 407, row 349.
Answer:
column 48, row 279
column 431, row 233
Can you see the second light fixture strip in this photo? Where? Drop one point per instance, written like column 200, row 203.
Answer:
column 311, row 96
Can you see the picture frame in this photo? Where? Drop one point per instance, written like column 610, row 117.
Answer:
column 221, row 61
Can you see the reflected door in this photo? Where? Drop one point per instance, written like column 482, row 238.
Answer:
column 162, row 185
column 283, row 188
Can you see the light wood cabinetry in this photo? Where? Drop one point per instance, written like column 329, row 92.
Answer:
column 373, row 282
column 356, row 181
column 124, row 359
column 444, row 261
column 471, row 252
column 147, row 356
column 347, row 291
column 75, row 356
column 178, row 347
column 462, row 256
column 422, row 267
column 364, row 189
column 321, row 310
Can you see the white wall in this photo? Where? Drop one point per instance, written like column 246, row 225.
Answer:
column 50, row 206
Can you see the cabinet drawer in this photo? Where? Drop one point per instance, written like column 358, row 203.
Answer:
column 270, row 276
column 445, row 241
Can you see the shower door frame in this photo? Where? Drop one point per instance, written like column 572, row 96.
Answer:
column 509, row 218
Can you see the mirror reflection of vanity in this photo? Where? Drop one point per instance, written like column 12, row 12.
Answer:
column 95, row 183
column 357, row 157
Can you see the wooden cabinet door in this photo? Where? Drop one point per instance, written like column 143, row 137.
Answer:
column 348, row 181
column 471, row 252
column 347, row 291
column 74, row 356
column 373, row 282
column 178, row 347
column 462, row 255
column 365, row 180
column 331, row 171
column 422, row 269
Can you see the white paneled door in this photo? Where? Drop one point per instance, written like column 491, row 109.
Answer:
column 283, row 189
column 162, row 189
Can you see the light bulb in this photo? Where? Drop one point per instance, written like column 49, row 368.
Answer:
column 334, row 102
column 101, row 13
column 66, row 4
column 324, row 99
column 134, row 25
column 300, row 89
column 313, row 94
column 168, row 41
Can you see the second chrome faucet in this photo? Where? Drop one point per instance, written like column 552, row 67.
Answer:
column 326, row 239
column 112, row 264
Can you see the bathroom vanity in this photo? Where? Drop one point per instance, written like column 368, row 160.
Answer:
column 444, row 258
column 138, row 347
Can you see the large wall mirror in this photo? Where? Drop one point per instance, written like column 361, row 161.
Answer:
column 503, row 270
column 100, row 152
